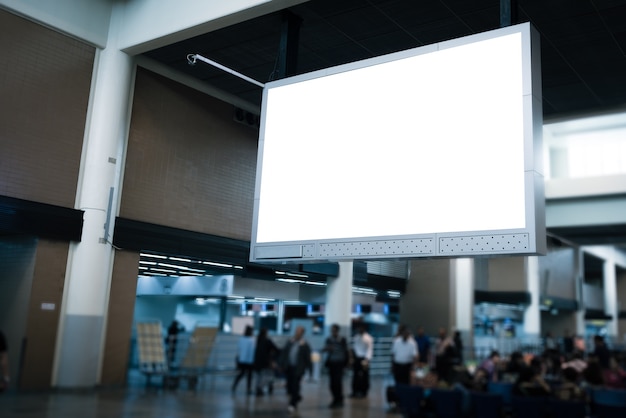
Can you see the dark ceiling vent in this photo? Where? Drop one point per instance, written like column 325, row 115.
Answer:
column 246, row 118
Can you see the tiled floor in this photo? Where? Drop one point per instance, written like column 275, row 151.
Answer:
column 212, row 398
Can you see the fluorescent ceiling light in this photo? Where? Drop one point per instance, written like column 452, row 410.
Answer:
column 181, row 259
column 213, row 263
column 152, row 255
column 164, row 270
column 278, row 279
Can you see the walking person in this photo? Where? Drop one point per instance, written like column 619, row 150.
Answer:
column 295, row 360
column 363, row 348
column 245, row 359
column 172, row 340
column 264, row 356
column 337, row 359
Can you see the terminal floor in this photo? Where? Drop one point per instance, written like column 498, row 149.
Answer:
column 212, row 398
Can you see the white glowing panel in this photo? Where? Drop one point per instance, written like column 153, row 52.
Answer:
column 431, row 143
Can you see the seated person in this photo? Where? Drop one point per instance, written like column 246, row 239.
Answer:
column 490, row 365
column 429, row 380
column 577, row 362
column 531, row 383
column 592, row 375
column 570, row 390
column 614, row 376
column 514, row 367
column 479, row 381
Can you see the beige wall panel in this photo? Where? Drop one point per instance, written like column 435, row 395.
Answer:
column 507, row 274
column 120, row 318
column 189, row 165
column 45, row 79
column 428, row 298
column 43, row 313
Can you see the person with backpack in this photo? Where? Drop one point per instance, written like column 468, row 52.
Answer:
column 337, row 358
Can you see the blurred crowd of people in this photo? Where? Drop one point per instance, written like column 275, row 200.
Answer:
column 564, row 371
column 259, row 355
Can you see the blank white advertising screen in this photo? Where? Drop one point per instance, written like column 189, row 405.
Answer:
column 425, row 143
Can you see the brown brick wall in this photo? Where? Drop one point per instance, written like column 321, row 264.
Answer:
column 45, row 79
column 120, row 318
column 188, row 165
column 42, row 325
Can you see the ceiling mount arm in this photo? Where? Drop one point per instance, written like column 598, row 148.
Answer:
column 192, row 58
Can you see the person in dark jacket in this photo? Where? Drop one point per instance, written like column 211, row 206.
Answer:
column 423, row 346
column 601, row 351
column 172, row 340
column 338, row 357
column 458, row 348
column 444, row 360
column 264, row 356
column 295, row 360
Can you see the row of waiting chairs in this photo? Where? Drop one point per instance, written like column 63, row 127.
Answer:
column 498, row 402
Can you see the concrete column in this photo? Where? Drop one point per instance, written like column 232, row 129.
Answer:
column 339, row 299
column 580, row 313
column 620, row 282
column 610, row 297
column 532, row 315
column 281, row 317
column 462, row 274
column 223, row 308
column 79, row 348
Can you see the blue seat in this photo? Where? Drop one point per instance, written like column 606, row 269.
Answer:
column 409, row 399
column 608, row 403
column 503, row 389
column 609, row 397
column 447, row 403
column 529, row 406
column 486, row 405
column 567, row 409
column 608, row 411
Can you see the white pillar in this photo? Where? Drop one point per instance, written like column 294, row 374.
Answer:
column 463, row 275
column 339, row 299
column 462, row 271
column 281, row 317
column 532, row 315
column 579, row 280
column 610, row 297
column 80, row 342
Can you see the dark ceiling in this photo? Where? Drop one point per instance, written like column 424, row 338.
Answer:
column 583, row 43
column 583, row 50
